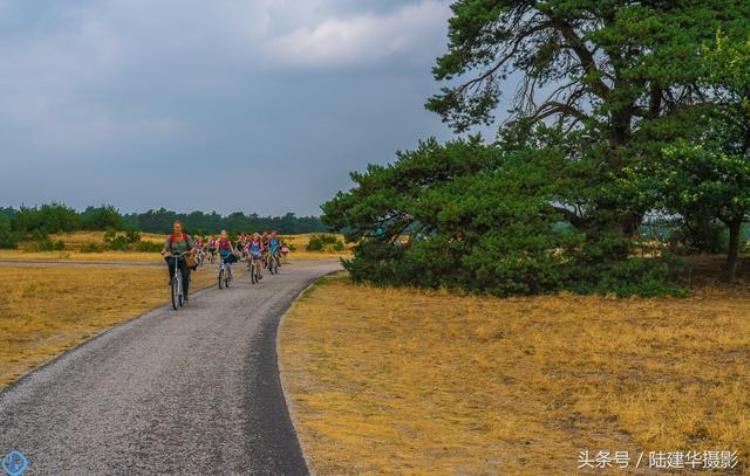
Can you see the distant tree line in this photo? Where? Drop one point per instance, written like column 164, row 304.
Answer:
column 39, row 221
column 160, row 221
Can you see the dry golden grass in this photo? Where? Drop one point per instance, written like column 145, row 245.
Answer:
column 74, row 242
column 106, row 256
column 77, row 240
column 45, row 311
column 403, row 381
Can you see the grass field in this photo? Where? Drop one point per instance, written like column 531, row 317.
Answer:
column 434, row 383
column 77, row 240
column 44, row 311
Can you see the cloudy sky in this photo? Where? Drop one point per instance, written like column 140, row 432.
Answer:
column 252, row 105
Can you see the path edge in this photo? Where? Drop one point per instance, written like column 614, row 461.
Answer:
column 291, row 408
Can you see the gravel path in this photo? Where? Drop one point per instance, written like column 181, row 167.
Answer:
column 189, row 392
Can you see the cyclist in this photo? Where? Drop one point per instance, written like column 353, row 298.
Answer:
column 242, row 243
column 226, row 248
column 200, row 246
column 212, row 247
column 274, row 247
column 177, row 243
column 255, row 252
column 264, row 242
column 285, row 251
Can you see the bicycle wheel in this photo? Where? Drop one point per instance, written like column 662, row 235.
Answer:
column 228, row 278
column 175, row 293
column 253, row 277
column 221, row 278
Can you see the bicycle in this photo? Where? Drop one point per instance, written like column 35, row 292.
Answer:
column 201, row 257
column 254, row 266
column 273, row 263
column 178, row 291
column 225, row 273
column 211, row 256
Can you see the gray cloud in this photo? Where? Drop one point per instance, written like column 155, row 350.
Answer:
column 262, row 105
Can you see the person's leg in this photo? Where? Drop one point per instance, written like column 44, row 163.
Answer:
column 170, row 267
column 185, row 270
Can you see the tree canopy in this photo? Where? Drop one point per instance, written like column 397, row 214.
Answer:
column 621, row 109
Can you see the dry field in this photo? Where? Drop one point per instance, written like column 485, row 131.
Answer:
column 381, row 379
column 77, row 240
column 45, row 311
column 104, row 257
column 74, row 242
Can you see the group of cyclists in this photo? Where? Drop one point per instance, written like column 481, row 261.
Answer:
column 260, row 249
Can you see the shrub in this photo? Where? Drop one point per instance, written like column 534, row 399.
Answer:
column 45, row 244
column 122, row 241
column 119, row 243
column 315, row 244
column 133, row 236
column 325, row 243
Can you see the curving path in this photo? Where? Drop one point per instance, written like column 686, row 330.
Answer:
column 189, row 392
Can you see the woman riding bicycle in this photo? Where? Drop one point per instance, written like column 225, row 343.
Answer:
column 212, row 247
column 255, row 252
column 226, row 248
column 179, row 243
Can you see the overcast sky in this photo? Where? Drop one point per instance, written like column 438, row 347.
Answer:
column 253, row 105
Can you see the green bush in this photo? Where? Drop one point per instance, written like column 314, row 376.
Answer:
column 122, row 241
column 119, row 243
column 324, row 243
column 315, row 244
column 46, row 244
column 133, row 236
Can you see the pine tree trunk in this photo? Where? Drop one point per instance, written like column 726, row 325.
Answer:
column 733, row 254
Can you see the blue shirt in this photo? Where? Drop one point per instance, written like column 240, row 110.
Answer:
column 274, row 244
